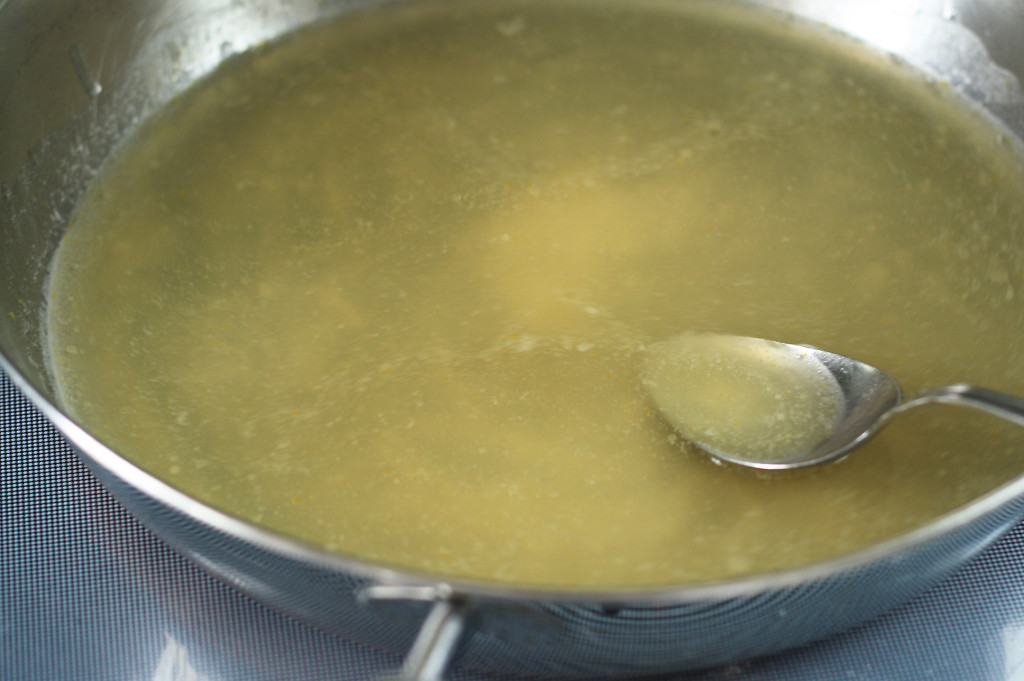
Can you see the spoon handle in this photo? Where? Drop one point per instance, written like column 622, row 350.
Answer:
column 998, row 404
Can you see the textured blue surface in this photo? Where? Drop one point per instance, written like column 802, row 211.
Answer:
column 87, row 593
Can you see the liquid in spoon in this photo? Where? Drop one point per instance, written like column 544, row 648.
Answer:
column 746, row 397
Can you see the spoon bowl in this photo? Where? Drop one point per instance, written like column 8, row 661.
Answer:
column 865, row 398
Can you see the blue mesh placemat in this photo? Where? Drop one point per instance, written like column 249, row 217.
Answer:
column 86, row 593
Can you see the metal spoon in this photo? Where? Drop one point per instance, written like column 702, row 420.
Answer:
column 866, row 398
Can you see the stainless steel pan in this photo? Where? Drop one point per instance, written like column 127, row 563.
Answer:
column 76, row 76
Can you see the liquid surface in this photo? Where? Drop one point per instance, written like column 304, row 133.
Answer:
column 744, row 397
column 386, row 286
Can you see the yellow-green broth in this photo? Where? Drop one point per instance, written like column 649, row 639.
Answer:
column 386, row 285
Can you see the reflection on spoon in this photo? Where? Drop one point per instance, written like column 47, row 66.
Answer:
column 773, row 406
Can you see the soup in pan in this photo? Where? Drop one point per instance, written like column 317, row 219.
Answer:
column 386, row 285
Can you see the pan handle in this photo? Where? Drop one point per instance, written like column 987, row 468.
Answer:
column 440, row 635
